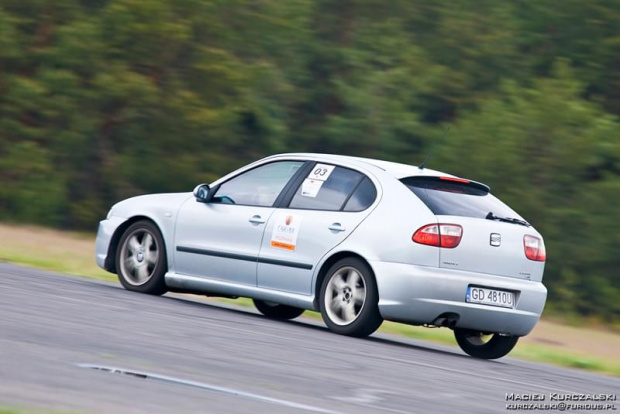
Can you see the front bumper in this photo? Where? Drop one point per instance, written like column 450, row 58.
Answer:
column 419, row 295
column 106, row 231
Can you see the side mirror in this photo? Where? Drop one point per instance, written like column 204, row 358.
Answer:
column 202, row 192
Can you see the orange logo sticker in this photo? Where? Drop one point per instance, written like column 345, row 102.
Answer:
column 282, row 245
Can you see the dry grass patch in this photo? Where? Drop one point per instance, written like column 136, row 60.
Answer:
column 67, row 252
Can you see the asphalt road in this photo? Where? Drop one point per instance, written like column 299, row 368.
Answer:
column 178, row 354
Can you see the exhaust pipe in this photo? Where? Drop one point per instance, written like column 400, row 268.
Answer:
column 448, row 320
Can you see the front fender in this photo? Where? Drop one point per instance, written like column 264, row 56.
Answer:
column 161, row 209
column 105, row 235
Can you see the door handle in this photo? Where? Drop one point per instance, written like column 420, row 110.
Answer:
column 256, row 219
column 336, row 227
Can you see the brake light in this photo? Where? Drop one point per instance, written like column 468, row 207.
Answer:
column 439, row 235
column 457, row 180
column 534, row 248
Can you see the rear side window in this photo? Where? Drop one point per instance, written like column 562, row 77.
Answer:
column 329, row 191
column 451, row 198
column 362, row 197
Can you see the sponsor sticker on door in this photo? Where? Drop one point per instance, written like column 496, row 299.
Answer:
column 285, row 231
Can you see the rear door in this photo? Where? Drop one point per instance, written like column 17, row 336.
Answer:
column 488, row 245
column 325, row 206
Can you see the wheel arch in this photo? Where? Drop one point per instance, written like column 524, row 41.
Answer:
column 328, row 263
column 110, row 260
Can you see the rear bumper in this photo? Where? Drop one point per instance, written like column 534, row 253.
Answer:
column 106, row 231
column 418, row 295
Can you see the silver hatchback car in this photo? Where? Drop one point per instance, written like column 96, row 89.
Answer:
column 359, row 240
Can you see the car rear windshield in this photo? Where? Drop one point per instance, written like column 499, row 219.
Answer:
column 452, row 198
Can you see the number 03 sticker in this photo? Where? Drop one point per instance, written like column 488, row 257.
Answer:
column 321, row 172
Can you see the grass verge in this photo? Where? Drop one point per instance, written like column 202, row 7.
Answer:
column 550, row 342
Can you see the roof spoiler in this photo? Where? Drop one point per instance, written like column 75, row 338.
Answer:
column 450, row 179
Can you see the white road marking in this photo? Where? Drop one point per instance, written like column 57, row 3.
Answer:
column 208, row 387
column 368, row 397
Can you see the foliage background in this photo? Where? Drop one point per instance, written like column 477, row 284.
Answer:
column 105, row 99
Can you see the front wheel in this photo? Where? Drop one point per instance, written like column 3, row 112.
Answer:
column 277, row 311
column 141, row 259
column 349, row 299
column 485, row 346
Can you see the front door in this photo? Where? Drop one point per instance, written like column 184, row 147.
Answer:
column 221, row 239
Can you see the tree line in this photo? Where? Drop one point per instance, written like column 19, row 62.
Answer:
column 105, row 99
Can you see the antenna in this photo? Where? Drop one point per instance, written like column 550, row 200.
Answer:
column 432, row 151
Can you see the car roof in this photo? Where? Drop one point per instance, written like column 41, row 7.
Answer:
column 395, row 169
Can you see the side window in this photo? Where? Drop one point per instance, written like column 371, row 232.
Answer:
column 363, row 197
column 258, row 187
column 326, row 188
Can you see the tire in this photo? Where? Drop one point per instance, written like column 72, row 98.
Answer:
column 141, row 259
column 349, row 303
column 277, row 311
column 480, row 345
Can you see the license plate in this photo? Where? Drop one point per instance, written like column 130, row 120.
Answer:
column 491, row 297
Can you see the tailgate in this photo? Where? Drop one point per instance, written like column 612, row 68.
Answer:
column 492, row 233
column 492, row 247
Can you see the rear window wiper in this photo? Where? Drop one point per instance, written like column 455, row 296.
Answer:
column 492, row 216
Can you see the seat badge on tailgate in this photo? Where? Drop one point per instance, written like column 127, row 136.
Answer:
column 496, row 239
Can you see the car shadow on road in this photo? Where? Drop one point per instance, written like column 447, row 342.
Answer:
column 312, row 324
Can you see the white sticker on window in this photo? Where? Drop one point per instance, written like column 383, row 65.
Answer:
column 310, row 187
column 285, row 231
column 321, row 172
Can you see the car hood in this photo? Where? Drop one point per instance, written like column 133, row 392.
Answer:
column 150, row 202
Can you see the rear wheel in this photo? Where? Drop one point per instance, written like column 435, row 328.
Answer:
column 485, row 346
column 349, row 299
column 141, row 259
column 277, row 311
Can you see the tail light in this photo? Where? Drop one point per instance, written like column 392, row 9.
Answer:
column 439, row 235
column 534, row 248
column 455, row 179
